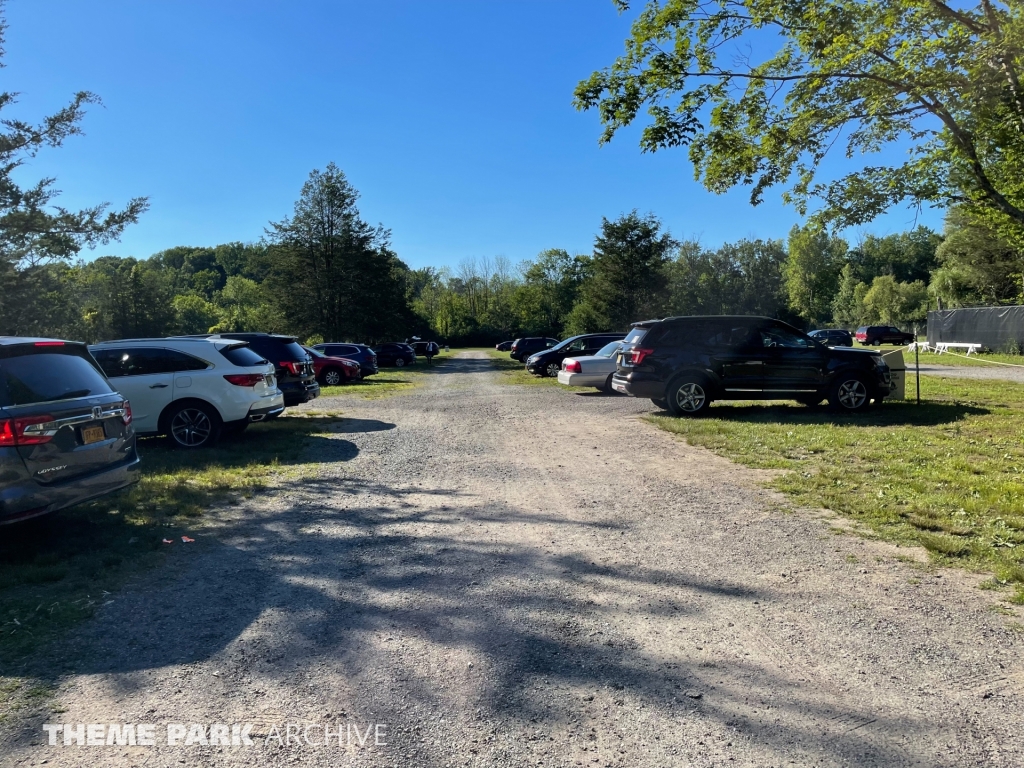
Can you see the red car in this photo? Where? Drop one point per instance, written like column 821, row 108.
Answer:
column 332, row 371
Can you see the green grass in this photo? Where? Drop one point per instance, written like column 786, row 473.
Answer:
column 514, row 372
column 55, row 572
column 391, row 381
column 947, row 475
column 960, row 358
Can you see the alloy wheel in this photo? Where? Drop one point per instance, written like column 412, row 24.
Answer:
column 332, row 378
column 852, row 394
column 399, row 362
column 690, row 397
column 191, row 427
column 553, row 369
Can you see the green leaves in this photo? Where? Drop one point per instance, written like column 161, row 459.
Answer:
column 761, row 91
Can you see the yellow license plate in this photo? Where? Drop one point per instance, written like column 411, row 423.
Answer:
column 93, row 434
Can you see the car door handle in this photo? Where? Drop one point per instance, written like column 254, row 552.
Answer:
column 157, row 386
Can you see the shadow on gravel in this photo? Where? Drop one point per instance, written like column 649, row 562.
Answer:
column 928, row 414
column 322, row 588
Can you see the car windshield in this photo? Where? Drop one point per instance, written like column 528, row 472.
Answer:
column 635, row 335
column 608, row 349
column 564, row 344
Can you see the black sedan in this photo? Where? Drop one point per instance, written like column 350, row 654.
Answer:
column 833, row 337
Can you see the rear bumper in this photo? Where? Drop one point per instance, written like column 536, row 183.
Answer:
column 29, row 499
column 259, row 413
column 581, row 379
column 635, row 385
column 297, row 393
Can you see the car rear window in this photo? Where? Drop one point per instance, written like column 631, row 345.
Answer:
column 28, row 376
column 635, row 335
column 242, row 356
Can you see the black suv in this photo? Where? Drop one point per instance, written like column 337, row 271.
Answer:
column 357, row 353
column 395, row 353
column 65, row 435
column 549, row 361
column 293, row 367
column 873, row 335
column 523, row 348
column 684, row 363
column 833, row 337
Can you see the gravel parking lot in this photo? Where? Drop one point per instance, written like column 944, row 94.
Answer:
column 513, row 576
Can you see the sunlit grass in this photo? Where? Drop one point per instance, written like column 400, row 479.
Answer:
column 948, row 475
column 391, row 381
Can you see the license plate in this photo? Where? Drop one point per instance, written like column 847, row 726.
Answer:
column 269, row 379
column 93, row 434
column 618, row 387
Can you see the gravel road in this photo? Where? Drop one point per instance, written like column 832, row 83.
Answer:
column 527, row 576
column 990, row 371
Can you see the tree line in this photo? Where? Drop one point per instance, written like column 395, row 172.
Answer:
column 324, row 273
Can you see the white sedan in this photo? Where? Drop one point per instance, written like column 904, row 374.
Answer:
column 591, row 371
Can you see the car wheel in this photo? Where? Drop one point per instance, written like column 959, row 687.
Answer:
column 876, row 343
column 551, row 370
column 399, row 362
column 663, row 404
column 849, row 393
column 332, row 377
column 607, row 386
column 193, row 426
column 689, row 396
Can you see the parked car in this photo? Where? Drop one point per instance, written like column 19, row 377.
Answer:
column 395, row 353
column 873, row 335
column 332, row 371
column 523, row 348
column 191, row 390
column 504, row 346
column 548, row 362
column 357, row 353
column 66, row 435
column 833, row 337
column 684, row 363
column 293, row 367
column 425, row 348
column 592, row 370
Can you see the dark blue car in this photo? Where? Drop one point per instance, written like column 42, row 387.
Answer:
column 65, row 435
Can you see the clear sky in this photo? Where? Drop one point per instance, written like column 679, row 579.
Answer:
column 453, row 118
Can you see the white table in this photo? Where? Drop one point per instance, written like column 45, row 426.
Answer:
column 945, row 346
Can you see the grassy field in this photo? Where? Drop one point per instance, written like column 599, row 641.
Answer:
column 930, row 358
column 55, row 572
column 948, row 474
column 390, row 381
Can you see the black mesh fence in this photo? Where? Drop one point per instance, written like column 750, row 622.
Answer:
column 997, row 328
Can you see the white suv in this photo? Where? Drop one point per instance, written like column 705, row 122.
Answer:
column 191, row 389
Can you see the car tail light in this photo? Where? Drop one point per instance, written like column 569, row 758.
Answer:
column 126, row 417
column 637, row 355
column 27, row 430
column 295, row 369
column 244, row 379
column 573, row 366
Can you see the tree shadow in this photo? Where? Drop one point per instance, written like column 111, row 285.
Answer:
column 928, row 414
column 358, row 587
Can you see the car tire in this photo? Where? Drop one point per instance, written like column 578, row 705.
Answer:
column 193, row 425
column 399, row 362
column 607, row 386
column 332, row 377
column 849, row 393
column 689, row 395
column 551, row 370
column 663, row 404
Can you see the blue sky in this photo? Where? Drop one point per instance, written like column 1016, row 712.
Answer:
column 452, row 118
